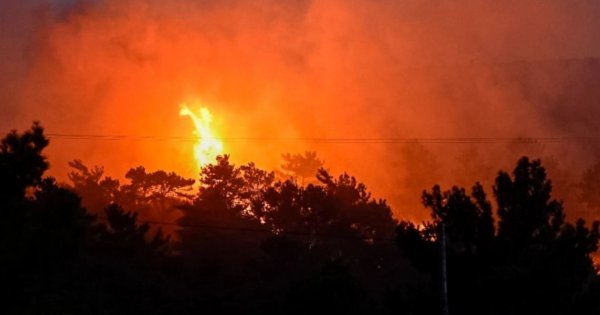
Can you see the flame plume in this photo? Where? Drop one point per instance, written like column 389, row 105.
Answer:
column 207, row 146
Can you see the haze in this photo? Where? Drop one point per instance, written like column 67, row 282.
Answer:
column 296, row 70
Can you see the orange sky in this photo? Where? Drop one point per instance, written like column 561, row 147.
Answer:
column 307, row 69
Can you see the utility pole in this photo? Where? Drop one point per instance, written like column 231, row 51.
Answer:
column 444, row 273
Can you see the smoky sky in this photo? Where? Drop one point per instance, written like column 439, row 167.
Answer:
column 304, row 69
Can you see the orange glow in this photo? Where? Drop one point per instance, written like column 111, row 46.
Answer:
column 304, row 70
column 207, row 146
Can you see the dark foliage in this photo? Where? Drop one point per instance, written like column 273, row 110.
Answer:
column 248, row 243
column 301, row 167
column 56, row 257
column 536, row 262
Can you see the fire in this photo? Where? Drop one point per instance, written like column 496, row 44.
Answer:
column 207, row 145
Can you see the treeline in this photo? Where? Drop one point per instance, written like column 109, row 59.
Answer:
column 253, row 241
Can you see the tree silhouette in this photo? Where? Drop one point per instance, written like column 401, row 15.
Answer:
column 58, row 221
column 158, row 185
column 333, row 221
column 21, row 162
column 468, row 219
column 301, row 166
column 154, row 195
column 96, row 190
column 341, row 207
column 241, row 220
column 124, row 232
column 250, row 243
column 56, row 257
column 210, row 233
column 536, row 263
column 545, row 264
column 527, row 212
column 21, row 168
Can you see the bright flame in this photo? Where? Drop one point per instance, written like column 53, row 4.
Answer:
column 207, row 146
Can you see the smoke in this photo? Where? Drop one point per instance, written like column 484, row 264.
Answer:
column 310, row 69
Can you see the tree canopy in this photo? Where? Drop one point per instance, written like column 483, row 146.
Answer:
column 244, row 240
column 534, row 261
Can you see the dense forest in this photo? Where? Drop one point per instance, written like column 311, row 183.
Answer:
column 298, row 241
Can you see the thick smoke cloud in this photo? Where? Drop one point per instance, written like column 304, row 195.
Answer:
column 311, row 69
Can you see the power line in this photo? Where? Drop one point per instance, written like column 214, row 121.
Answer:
column 334, row 140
